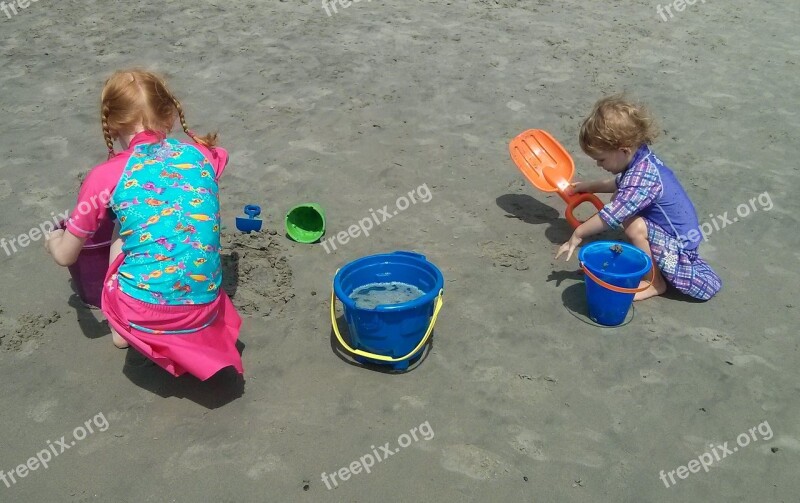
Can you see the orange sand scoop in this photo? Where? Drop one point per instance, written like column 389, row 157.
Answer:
column 549, row 167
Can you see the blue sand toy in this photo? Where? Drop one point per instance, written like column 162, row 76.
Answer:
column 250, row 222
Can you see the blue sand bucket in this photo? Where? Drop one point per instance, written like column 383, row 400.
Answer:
column 389, row 334
column 613, row 272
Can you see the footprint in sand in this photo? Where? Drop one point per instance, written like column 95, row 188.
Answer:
column 201, row 457
column 264, row 465
column 312, row 145
column 256, row 273
column 529, row 443
column 471, row 138
column 515, row 105
column 715, row 338
column 41, row 411
column 5, row 189
column 746, row 360
column 499, row 62
column 39, row 197
column 504, row 255
column 474, row 462
column 58, row 145
column 515, row 385
column 652, row 376
column 663, row 351
column 413, row 402
column 28, row 327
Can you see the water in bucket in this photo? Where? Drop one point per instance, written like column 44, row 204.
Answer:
column 373, row 295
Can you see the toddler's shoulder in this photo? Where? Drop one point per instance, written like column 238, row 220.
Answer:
column 643, row 172
column 656, row 160
column 648, row 165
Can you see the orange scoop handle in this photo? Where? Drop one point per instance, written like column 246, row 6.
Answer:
column 576, row 200
column 549, row 168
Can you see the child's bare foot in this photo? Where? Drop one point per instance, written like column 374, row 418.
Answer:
column 657, row 287
column 651, row 291
column 118, row 340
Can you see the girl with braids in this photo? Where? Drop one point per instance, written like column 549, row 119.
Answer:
column 162, row 292
column 649, row 201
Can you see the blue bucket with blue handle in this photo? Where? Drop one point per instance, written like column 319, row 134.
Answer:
column 613, row 272
column 388, row 334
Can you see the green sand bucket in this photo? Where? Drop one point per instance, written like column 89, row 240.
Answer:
column 305, row 223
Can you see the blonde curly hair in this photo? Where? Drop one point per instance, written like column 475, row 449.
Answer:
column 616, row 122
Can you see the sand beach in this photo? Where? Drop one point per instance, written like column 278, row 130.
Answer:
column 354, row 105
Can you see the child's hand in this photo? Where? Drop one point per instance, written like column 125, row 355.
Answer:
column 576, row 188
column 63, row 246
column 570, row 246
column 52, row 240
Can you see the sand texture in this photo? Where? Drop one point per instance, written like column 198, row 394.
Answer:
column 528, row 400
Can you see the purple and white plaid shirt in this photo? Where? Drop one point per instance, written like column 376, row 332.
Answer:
column 638, row 187
column 649, row 189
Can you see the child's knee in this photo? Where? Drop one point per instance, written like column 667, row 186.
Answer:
column 635, row 228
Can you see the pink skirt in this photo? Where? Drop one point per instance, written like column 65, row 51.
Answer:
column 198, row 339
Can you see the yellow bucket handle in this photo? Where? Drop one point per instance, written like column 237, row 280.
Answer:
column 384, row 358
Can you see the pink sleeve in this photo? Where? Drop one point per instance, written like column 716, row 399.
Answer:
column 217, row 156
column 94, row 198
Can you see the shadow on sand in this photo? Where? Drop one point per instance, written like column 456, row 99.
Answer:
column 91, row 326
column 383, row 369
column 532, row 211
column 224, row 387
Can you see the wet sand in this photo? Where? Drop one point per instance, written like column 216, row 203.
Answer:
column 526, row 400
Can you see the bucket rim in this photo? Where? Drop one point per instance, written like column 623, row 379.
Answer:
column 428, row 297
column 648, row 263
column 309, row 204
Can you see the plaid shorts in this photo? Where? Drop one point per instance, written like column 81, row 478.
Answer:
column 683, row 269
